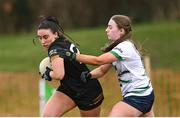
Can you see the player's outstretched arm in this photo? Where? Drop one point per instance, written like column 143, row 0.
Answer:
column 88, row 59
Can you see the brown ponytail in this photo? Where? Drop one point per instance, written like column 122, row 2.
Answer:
column 111, row 45
column 122, row 22
column 125, row 23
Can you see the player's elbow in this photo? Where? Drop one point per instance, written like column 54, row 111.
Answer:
column 98, row 62
column 58, row 76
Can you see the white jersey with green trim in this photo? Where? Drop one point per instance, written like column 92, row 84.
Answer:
column 132, row 77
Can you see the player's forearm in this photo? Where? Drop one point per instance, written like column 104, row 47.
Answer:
column 88, row 59
column 100, row 71
column 97, row 73
column 57, row 76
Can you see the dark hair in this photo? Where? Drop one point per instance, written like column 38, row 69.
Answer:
column 53, row 24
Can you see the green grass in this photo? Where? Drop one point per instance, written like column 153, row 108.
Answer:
column 160, row 40
column 17, row 53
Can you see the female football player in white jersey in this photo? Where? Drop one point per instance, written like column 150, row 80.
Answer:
column 122, row 53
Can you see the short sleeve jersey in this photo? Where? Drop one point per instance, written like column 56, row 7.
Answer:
column 73, row 69
column 136, row 82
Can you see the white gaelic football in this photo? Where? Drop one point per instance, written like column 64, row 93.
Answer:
column 43, row 64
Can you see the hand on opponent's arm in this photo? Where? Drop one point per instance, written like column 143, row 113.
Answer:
column 87, row 59
column 66, row 54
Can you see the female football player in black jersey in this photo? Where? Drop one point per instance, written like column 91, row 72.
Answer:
column 72, row 91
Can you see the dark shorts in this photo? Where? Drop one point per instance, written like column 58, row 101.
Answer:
column 142, row 103
column 86, row 97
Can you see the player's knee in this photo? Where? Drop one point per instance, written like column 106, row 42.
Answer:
column 51, row 114
column 114, row 111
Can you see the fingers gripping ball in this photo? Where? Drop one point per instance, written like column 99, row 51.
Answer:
column 43, row 64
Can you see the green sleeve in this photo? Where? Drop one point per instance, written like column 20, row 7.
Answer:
column 116, row 55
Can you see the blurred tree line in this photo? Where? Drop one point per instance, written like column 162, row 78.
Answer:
column 22, row 15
